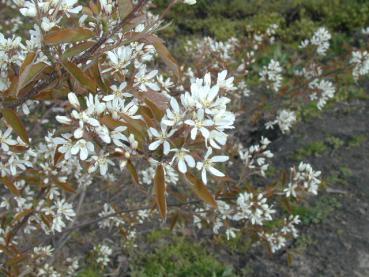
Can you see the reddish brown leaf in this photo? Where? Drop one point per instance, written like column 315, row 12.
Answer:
column 201, row 190
column 125, row 7
column 80, row 76
column 9, row 184
column 78, row 49
column 67, row 35
column 163, row 53
column 131, row 168
column 159, row 190
column 28, row 74
column 13, row 120
column 65, row 186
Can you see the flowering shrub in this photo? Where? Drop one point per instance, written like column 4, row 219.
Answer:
column 94, row 132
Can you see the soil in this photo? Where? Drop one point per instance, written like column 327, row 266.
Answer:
column 339, row 244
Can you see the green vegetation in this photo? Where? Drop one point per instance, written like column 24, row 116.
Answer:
column 177, row 257
column 298, row 18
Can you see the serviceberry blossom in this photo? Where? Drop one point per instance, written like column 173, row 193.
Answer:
column 161, row 138
column 323, row 90
column 360, row 60
column 189, row 2
column 272, row 74
column 256, row 157
column 207, row 165
column 6, row 140
column 321, row 40
column 183, row 159
column 253, row 208
column 285, row 120
column 103, row 253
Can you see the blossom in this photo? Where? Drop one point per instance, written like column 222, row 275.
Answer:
column 321, row 39
column 6, row 139
column 199, row 123
column 174, row 115
column 101, row 162
column 285, row 119
column 63, row 210
column 103, row 252
column 272, row 73
column 184, row 159
column 224, row 83
column 189, row 2
column 120, row 58
column 207, row 165
column 326, row 90
column 82, row 147
column 146, row 80
column 360, row 60
column 162, row 138
column 253, row 208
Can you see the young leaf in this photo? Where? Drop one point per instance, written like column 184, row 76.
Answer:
column 67, row 35
column 201, row 190
column 131, row 168
column 28, row 74
column 78, row 49
column 81, row 77
column 9, row 184
column 17, row 125
column 163, row 53
column 125, row 7
column 160, row 188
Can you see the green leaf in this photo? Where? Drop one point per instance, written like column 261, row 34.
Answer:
column 13, row 120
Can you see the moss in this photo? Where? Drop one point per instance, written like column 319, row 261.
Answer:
column 90, row 272
column 357, row 141
column 317, row 212
column 179, row 258
column 316, row 148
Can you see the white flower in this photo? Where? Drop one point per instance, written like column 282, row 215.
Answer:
column 272, row 73
column 120, row 57
column 321, row 39
column 184, row 159
column 224, row 83
column 162, row 138
column 101, row 162
column 118, row 92
column 117, row 136
column 285, row 119
column 103, row 252
column 62, row 210
column 326, row 89
column 73, row 100
column 189, row 2
column 208, row 165
column 360, row 60
column 6, row 139
column 174, row 115
column 146, row 80
column 199, row 123
column 83, row 147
